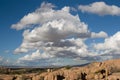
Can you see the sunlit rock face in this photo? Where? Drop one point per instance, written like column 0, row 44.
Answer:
column 94, row 71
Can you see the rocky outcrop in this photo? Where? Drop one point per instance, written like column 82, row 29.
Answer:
column 94, row 71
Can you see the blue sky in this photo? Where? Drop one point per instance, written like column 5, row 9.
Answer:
column 105, row 20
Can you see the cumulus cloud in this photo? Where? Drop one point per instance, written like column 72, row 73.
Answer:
column 35, row 55
column 52, row 26
column 67, row 49
column 71, row 48
column 110, row 44
column 39, row 16
column 101, row 34
column 110, row 48
column 50, row 33
column 100, row 8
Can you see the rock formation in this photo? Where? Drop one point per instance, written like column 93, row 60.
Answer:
column 107, row 70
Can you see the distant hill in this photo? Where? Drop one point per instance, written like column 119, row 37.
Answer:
column 51, row 66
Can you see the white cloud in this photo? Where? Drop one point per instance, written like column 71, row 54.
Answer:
column 100, row 8
column 40, row 16
column 35, row 56
column 54, row 34
column 101, row 34
column 110, row 47
column 112, row 43
column 52, row 26
column 65, row 49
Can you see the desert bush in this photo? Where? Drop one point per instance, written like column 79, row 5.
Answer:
column 67, row 67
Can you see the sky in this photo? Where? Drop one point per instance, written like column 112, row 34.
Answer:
column 58, row 32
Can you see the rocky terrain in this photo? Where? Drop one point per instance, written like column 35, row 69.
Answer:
column 107, row 70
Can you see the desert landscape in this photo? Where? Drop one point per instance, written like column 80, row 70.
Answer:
column 60, row 40
column 106, row 70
